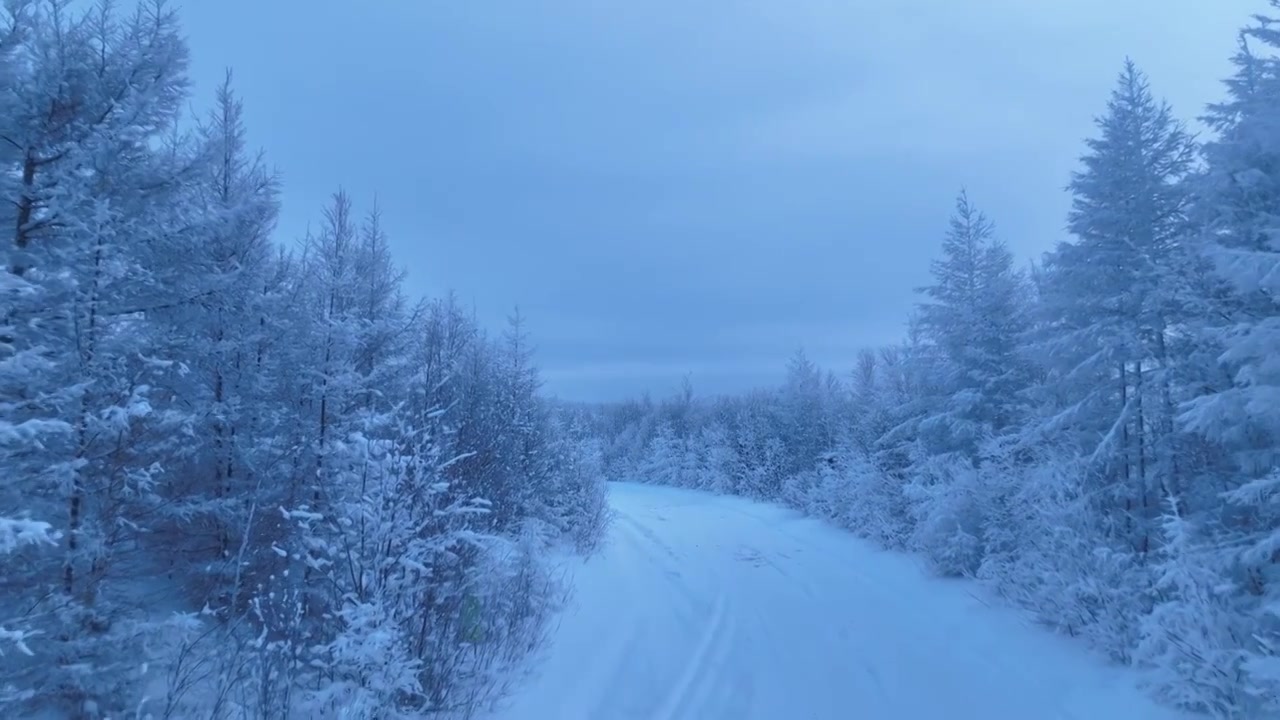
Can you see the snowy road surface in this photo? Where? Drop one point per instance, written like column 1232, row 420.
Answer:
column 703, row 607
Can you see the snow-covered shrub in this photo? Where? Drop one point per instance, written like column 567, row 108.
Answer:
column 946, row 506
column 15, row 634
column 1043, row 553
column 583, row 499
column 1193, row 637
column 491, row 621
column 1256, row 571
column 846, row 490
column 803, row 492
column 368, row 670
column 718, row 461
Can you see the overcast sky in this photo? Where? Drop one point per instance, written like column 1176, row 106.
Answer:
column 666, row 186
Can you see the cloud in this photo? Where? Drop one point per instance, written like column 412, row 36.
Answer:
column 668, row 186
column 914, row 118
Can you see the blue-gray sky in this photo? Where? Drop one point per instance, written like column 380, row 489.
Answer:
column 667, row 186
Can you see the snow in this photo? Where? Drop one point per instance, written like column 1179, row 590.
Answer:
column 703, row 607
column 17, row 532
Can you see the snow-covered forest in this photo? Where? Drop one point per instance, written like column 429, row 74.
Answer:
column 242, row 476
column 245, row 475
column 1094, row 436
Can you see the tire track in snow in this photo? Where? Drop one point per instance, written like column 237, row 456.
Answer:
column 701, row 688
column 713, row 693
column 696, row 669
column 660, row 555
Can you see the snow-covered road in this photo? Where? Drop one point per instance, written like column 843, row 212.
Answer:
column 703, row 607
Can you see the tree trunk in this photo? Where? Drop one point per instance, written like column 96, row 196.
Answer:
column 1170, row 483
column 75, row 502
column 1126, row 481
column 1144, row 519
column 26, row 205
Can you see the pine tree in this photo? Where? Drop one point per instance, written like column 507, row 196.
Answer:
column 804, row 421
column 973, row 319
column 1238, row 409
column 971, row 324
column 1114, row 300
column 221, row 336
column 1237, row 194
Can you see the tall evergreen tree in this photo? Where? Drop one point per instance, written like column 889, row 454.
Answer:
column 973, row 317
column 1239, row 409
column 1115, row 297
column 804, row 420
